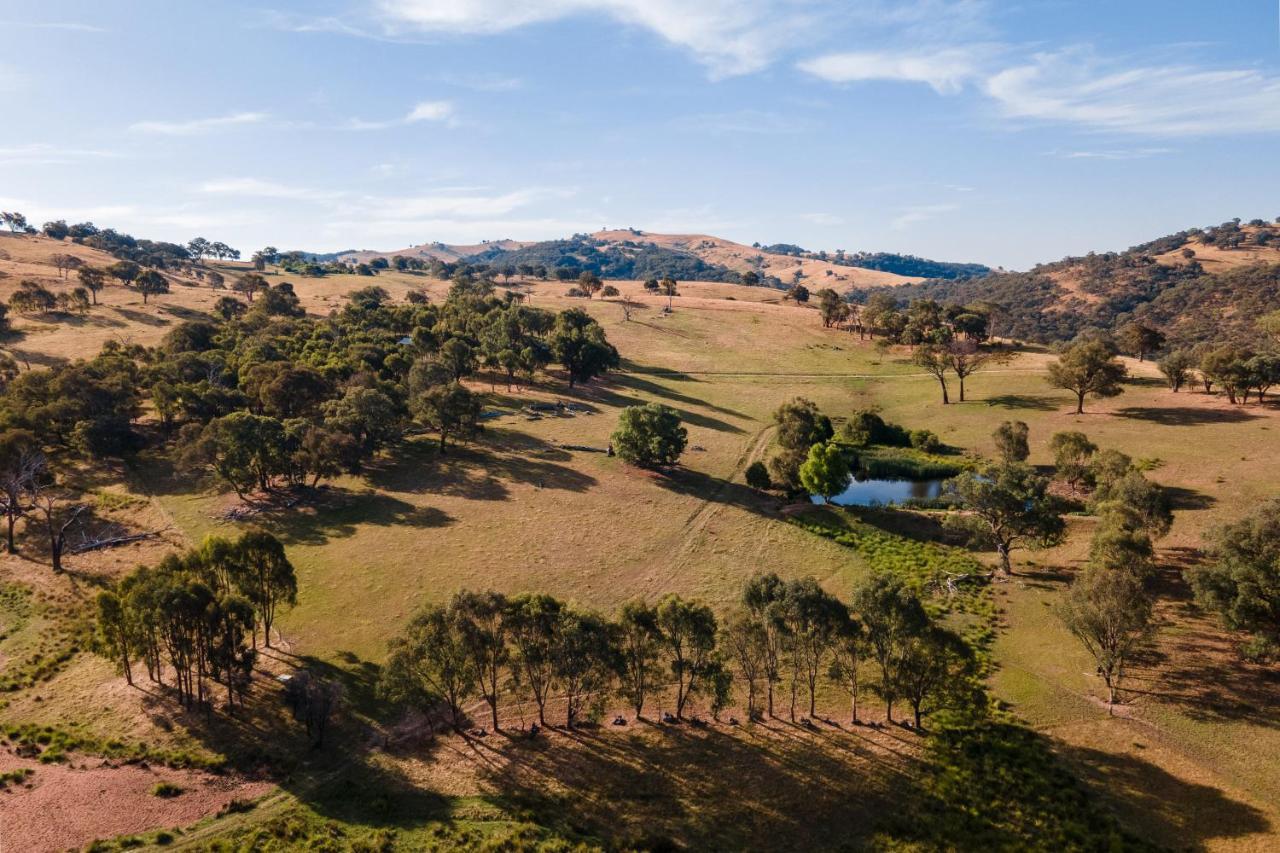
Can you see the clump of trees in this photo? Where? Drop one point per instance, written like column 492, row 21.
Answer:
column 800, row 425
column 1241, row 582
column 791, row 636
column 649, row 436
column 197, row 615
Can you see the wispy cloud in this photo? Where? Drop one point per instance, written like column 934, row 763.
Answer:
column 946, row 71
column 255, row 188
column 822, row 218
column 1112, row 154
column 479, row 81
column 71, row 26
column 199, row 126
column 920, row 213
column 744, row 121
column 441, row 112
column 1076, row 86
column 46, row 154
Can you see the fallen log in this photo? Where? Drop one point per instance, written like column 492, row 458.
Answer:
column 95, row 544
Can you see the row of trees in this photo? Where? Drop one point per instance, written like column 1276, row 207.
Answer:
column 789, row 635
column 1238, row 371
column 198, row 614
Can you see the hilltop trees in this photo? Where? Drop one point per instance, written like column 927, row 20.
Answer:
column 649, row 436
column 1088, row 368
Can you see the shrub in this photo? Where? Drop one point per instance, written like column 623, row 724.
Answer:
column 925, row 440
column 167, row 790
column 649, row 435
column 758, row 476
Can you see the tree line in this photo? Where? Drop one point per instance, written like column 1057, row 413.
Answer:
column 788, row 637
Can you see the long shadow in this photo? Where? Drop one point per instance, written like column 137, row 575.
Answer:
column 1181, row 498
column 1170, row 811
column 342, row 779
column 1185, row 415
column 141, row 317
column 685, row 481
column 340, row 512
column 479, row 471
column 672, row 787
column 609, row 397
column 634, row 382
column 1031, row 402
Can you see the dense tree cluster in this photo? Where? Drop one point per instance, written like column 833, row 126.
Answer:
column 197, row 614
column 792, row 636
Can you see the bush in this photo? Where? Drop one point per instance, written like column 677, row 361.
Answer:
column 167, row 790
column 576, row 292
column 925, row 440
column 758, row 476
column 649, row 435
column 609, row 290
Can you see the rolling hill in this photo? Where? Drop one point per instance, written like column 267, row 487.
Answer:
column 631, row 254
column 1194, row 285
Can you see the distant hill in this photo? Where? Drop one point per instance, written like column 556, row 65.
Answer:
column 635, row 254
column 1194, row 285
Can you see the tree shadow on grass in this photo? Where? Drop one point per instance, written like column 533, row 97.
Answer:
column 676, row 787
column 608, row 397
column 1172, row 812
column 1031, row 402
column 1185, row 415
column 341, row 512
column 1181, row 498
column 480, row 471
column 142, row 317
column 686, row 481
column 637, row 383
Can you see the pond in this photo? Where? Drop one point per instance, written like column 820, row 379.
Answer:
column 871, row 492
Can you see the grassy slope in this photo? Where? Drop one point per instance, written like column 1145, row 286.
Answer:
column 519, row 511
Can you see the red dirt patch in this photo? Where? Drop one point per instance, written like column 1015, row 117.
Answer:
column 69, row 805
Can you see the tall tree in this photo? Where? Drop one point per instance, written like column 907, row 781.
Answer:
column 266, row 577
column 933, row 358
column 580, row 345
column 429, row 661
column 533, row 620
column 1011, row 441
column 763, row 596
column 1088, row 368
column 743, row 637
column 483, row 618
column 583, row 659
column 1007, row 506
column 891, row 616
column 687, row 631
column 639, row 643
column 1110, row 613
column 1177, row 367
column 825, row 471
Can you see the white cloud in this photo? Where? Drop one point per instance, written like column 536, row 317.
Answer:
column 195, row 127
column 945, row 70
column 480, row 81
column 442, row 112
column 822, row 218
column 920, row 213
column 45, row 154
column 255, row 188
column 730, row 36
column 1112, row 154
column 1076, row 87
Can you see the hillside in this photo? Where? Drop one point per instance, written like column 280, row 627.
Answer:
column 633, row 254
column 1192, row 285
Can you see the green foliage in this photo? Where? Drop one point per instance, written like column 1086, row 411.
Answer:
column 649, row 436
column 757, row 476
column 1088, row 367
column 825, row 472
column 907, row 463
column 1007, row 505
column 1242, row 583
column 1011, row 441
column 167, row 790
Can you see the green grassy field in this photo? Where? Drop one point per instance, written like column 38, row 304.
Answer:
column 536, row 504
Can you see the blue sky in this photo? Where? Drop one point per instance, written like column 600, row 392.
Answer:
column 1001, row 132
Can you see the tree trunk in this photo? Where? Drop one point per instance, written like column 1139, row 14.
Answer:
column 946, row 400
column 961, row 389
column 888, row 710
column 12, row 521
column 1080, row 402
column 915, row 707
column 1005, row 563
column 770, row 697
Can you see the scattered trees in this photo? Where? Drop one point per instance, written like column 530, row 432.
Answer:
column 1176, row 367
